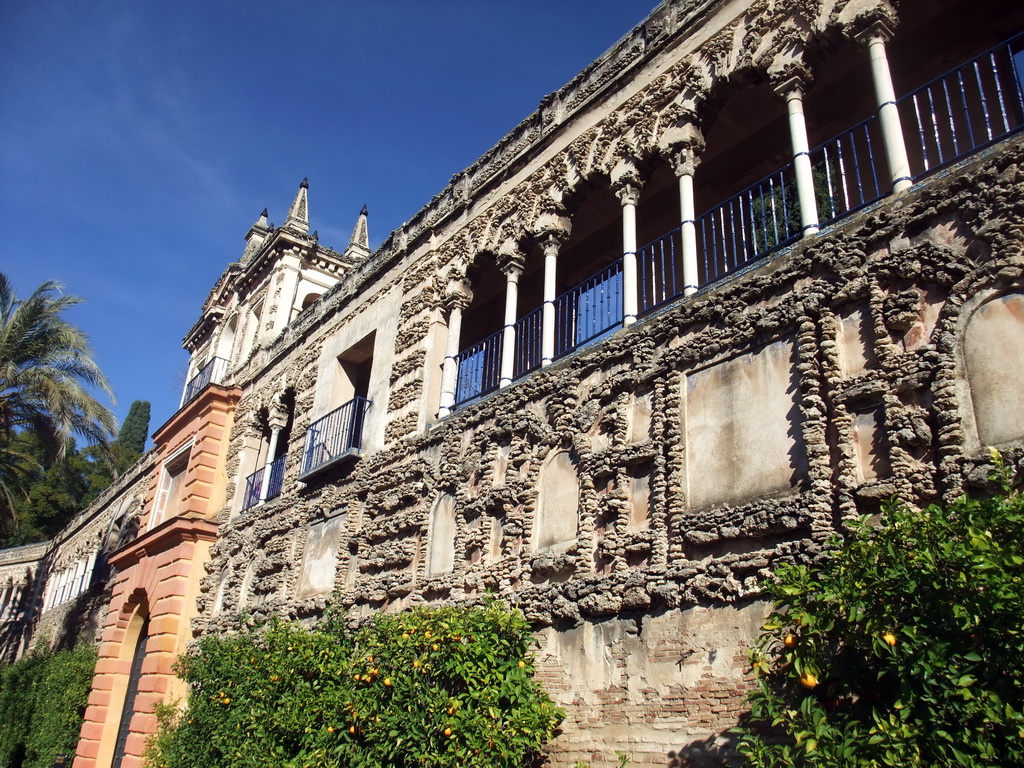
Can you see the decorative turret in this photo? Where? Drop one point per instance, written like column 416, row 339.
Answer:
column 298, row 214
column 256, row 236
column 359, row 243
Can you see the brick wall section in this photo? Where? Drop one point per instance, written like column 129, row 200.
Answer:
column 158, row 577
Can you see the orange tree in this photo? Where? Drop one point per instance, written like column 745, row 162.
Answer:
column 902, row 647
column 436, row 687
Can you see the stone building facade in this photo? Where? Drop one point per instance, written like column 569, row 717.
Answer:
column 757, row 269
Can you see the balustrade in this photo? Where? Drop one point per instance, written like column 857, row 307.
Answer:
column 955, row 115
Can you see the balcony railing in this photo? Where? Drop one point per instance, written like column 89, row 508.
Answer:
column 591, row 309
column 254, row 483
column 965, row 109
column 528, row 343
column 946, row 120
column 337, row 435
column 211, row 373
column 479, row 367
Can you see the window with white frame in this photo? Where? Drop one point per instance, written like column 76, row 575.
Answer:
column 172, row 482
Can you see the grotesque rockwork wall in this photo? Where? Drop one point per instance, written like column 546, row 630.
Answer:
column 630, row 497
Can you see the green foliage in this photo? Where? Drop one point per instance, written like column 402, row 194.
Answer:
column 135, row 429
column 432, row 687
column 901, row 648
column 46, row 373
column 52, row 492
column 42, row 702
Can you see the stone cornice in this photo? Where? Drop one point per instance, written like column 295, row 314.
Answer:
column 165, row 536
column 211, row 395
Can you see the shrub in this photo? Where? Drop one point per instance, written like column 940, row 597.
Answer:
column 42, row 701
column 433, row 687
column 900, row 648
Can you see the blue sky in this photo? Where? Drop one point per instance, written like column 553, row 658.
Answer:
column 140, row 139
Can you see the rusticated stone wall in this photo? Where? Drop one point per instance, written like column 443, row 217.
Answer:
column 630, row 497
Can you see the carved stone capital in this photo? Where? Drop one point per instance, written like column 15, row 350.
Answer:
column 552, row 224
column 624, row 175
column 511, row 260
column 794, row 76
column 684, row 147
column 277, row 410
column 862, row 24
column 628, row 194
column 458, row 294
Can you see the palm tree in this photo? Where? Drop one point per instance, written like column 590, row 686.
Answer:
column 46, row 368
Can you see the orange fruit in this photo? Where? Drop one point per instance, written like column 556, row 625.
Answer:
column 387, row 681
column 789, row 641
column 889, row 638
column 352, row 729
column 330, row 729
column 808, row 680
column 447, row 731
column 522, row 663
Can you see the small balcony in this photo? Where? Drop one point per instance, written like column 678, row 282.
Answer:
column 255, row 490
column 944, row 121
column 335, row 438
column 211, row 373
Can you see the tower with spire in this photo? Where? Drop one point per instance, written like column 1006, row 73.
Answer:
column 281, row 272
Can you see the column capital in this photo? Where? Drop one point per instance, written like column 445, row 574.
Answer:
column 628, row 194
column 512, row 264
column 552, row 227
column 510, row 258
column 794, row 77
column 277, row 411
column 684, row 154
column 864, row 22
column 625, row 175
column 458, row 294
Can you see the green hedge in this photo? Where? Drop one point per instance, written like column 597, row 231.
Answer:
column 42, row 702
column 434, row 687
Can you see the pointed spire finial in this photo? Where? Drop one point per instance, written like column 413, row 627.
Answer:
column 264, row 214
column 298, row 214
column 359, row 243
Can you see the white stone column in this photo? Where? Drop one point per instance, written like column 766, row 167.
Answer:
column 684, row 163
column 459, row 299
column 629, row 196
column 275, row 434
column 513, row 269
column 792, row 91
column 888, row 113
column 550, row 246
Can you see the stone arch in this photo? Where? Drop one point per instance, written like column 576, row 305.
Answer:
column 441, row 536
column 991, row 349
column 556, row 518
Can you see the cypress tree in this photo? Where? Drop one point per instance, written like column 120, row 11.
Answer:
column 135, row 428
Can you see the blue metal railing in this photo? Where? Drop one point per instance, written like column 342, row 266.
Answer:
column 479, row 367
column 589, row 310
column 850, row 171
column 758, row 220
column 965, row 109
column 339, row 433
column 660, row 271
column 254, row 483
column 528, row 343
column 211, row 373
